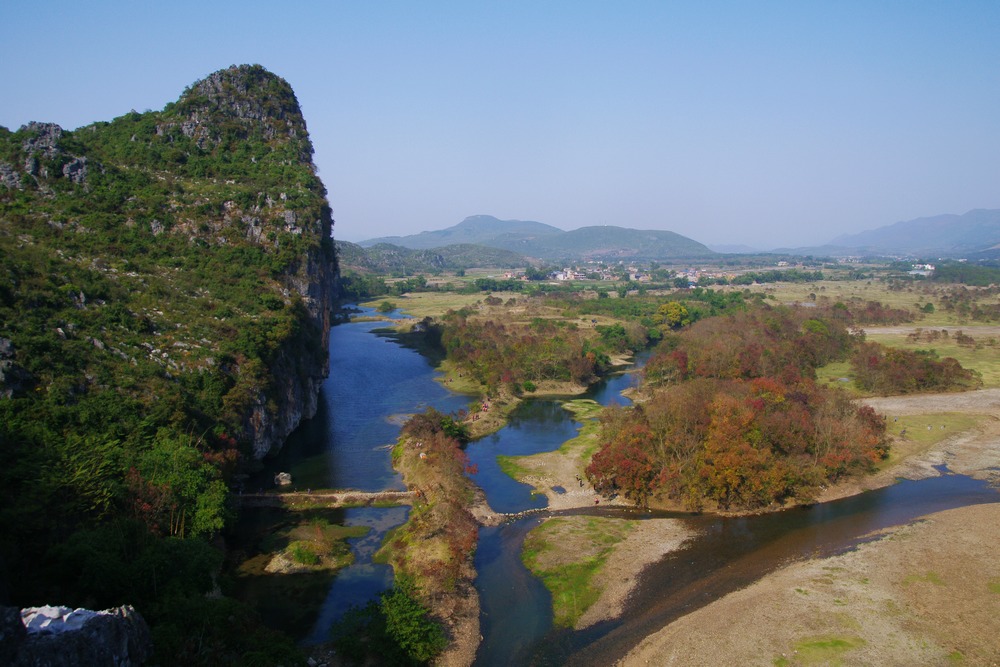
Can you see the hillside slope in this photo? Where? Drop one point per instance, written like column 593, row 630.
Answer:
column 476, row 229
column 611, row 243
column 544, row 242
column 391, row 259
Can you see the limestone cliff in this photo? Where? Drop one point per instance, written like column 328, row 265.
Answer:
column 191, row 242
column 166, row 281
column 250, row 103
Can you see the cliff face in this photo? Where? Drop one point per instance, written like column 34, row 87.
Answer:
column 166, row 282
column 248, row 103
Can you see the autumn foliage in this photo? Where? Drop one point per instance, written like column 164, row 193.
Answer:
column 498, row 353
column 735, row 443
column 733, row 418
column 436, row 545
column 895, row 371
column 765, row 342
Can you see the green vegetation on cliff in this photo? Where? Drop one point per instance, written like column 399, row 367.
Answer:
column 165, row 285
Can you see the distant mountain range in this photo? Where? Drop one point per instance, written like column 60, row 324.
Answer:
column 483, row 240
column 547, row 243
column 386, row 258
column 972, row 235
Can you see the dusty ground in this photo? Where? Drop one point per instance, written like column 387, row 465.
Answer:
column 978, row 329
column 924, row 594
column 906, row 599
column 558, row 469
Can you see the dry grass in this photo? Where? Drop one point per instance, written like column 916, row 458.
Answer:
column 566, row 553
column 983, row 357
column 917, row 434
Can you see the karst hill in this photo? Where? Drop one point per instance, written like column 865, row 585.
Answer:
column 166, row 280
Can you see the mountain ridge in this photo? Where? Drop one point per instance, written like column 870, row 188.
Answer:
column 946, row 235
column 547, row 243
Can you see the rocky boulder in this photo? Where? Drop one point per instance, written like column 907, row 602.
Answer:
column 57, row 636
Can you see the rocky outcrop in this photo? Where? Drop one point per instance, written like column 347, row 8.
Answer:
column 249, row 96
column 44, row 159
column 261, row 104
column 13, row 378
column 228, row 166
column 60, row 636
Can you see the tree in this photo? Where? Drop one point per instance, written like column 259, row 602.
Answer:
column 673, row 315
column 408, row 624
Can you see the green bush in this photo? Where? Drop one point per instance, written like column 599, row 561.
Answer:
column 303, row 553
column 396, row 630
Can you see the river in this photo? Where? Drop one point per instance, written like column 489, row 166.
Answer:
column 374, row 382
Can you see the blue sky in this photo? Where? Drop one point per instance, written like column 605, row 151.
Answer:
column 761, row 123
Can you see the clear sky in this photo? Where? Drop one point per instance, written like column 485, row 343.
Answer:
column 762, row 123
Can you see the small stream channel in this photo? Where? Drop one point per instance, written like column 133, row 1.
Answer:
column 374, row 383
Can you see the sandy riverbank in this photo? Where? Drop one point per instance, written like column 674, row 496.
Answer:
column 927, row 593
column 923, row 594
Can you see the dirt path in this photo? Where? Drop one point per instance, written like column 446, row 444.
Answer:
column 978, row 329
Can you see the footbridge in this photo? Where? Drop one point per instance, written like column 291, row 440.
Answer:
column 326, row 498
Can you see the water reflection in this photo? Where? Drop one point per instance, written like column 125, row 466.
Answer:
column 517, row 608
column 535, row 426
column 374, row 384
column 364, row 580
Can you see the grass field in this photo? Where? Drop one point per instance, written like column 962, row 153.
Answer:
column 918, row 433
column 566, row 552
column 435, row 304
column 911, row 298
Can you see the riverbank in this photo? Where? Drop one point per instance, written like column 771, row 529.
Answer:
column 559, row 475
column 435, row 547
column 973, row 450
column 927, row 593
column 924, row 593
column 965, row 436
column 591, row 564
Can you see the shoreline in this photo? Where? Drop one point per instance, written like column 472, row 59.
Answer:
column 925, row 593
column 974, row 452
column 801, row 606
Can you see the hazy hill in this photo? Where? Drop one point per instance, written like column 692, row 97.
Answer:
column 612, row 243
column 946, row 235
column 386, row 258
column 476, row 229
column 544, row 242
column 735, row 249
